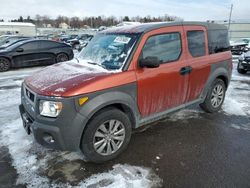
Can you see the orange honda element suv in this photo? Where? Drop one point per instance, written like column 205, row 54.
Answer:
column 126, row 77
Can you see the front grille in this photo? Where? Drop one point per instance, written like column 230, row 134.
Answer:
column 30, row 95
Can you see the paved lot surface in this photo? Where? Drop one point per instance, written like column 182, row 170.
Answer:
column 188, row 149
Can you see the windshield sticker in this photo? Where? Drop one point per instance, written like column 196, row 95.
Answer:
column 122, row 39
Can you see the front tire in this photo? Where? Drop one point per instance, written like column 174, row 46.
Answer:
column 4, row 64
column 106, row 136
column 215, row 97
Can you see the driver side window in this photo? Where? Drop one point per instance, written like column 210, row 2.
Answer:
column 29, row 46
column 166, row 47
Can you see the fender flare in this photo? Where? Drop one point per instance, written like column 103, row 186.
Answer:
column 101, row 101
column 218, row 72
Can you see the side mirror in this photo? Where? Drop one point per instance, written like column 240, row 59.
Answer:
column 19, row 50
column 149, row 62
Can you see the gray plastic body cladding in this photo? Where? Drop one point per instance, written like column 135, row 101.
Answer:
column 66, row 128
column 125, row 95
column 217, row 69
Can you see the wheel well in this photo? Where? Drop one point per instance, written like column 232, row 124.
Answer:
column 224, row 79
column 118, row 106
column 7, row 59
column 122, row 107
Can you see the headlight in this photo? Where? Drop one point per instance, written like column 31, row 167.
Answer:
column 242, row 57
column 50, row 108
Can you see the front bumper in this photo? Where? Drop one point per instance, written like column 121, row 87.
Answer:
column 41, row 132
column 61, row 133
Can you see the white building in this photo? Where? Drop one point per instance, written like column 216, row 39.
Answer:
column 237, row 29
column 64, row 26
column 17, row 28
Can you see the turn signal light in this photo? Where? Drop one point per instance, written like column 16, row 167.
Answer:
column 81, row 101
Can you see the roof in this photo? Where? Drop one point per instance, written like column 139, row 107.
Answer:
column 146, row 27
column 17, row 24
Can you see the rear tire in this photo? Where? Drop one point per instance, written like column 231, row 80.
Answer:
column 61, row 57
column 215, row 97
column 241, row 71
column 4, row 64
column 106, row 136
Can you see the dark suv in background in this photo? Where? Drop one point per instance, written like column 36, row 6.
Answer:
column 244, row 63
column 34, row 52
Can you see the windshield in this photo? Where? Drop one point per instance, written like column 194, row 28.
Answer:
column 2, row 38
column 12, row 42
column 15, row 45
column 109, row 50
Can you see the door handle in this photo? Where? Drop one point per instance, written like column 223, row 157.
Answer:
column 186, row 70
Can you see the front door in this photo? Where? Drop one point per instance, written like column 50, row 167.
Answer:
column 164, row 87
column 27, row 54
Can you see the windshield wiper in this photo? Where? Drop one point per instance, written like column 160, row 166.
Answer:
column 93, row 63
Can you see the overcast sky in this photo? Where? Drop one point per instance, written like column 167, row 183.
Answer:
column 201, row 10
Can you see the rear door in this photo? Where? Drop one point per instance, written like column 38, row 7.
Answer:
column 164, row 87
column 46, row 49
column 197, row 59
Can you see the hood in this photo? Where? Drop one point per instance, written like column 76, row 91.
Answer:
column 3, row 50
column 60, row 78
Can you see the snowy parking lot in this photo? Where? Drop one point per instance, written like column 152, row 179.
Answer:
column 190, row 146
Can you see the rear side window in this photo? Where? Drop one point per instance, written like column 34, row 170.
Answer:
column 166, row 47
column 196, row 43
column 48, row 45
column 218, row 41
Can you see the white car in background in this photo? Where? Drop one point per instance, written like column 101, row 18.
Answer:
column 240, row 46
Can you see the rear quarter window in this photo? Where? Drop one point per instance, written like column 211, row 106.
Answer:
column 196, row 43
column 49, row 45
column 218, row 41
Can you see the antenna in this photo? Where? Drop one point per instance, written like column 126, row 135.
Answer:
column 229, row 21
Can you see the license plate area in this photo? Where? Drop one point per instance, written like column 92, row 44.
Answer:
column 26, row 123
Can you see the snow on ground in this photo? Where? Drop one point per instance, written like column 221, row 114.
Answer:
column 124, row 176
column 31, row 160
column 237, row 101
column 185, row 114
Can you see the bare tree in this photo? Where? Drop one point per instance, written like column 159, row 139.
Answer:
column 95, row 22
